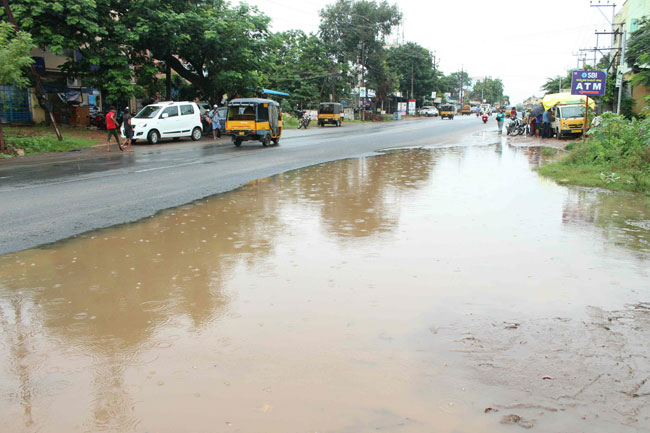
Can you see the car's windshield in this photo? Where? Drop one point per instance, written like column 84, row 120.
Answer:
column 573, row 112
column 148, row 112
column 241, row 112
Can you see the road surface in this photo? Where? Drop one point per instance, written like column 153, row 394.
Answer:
column 47, row 198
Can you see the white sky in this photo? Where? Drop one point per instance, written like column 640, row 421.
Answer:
column 522, row 42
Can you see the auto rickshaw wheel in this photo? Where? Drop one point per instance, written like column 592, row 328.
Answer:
column 266, row 140
column 237, row 142
column 276, row 140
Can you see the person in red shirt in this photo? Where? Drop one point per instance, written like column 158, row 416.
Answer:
column 111, row 129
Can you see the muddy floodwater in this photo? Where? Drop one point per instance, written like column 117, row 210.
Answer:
column 421, row 290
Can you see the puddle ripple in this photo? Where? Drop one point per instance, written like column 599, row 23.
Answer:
column 399, row 292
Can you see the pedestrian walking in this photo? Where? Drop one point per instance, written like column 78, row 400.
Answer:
column 128, row 130
column 111, row 129
column 501, row 116
column 546, row 119
column 214, row 121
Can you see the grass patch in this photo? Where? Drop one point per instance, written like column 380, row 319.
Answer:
column 616, row 156
column 589, row 175
column 289, row 122
column 46, row 143
column 41, row 138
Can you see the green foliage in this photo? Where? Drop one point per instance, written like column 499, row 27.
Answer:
column 14, row 55
column 47, row 143
column 414, row 59
column 553, row 85
column 490, row 89
column 616, row 145
column 638, row 46
column 298, row 64
column 354, row 31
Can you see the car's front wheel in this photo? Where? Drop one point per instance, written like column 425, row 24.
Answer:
column 153, row 137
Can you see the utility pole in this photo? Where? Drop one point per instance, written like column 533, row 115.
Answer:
column 620, row 69
column 461, row 88
column 40, row 93
column 412, row 94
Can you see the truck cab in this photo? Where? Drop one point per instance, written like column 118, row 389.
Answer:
column 567, row 120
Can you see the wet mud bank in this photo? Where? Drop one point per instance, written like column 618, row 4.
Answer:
column 423, row 289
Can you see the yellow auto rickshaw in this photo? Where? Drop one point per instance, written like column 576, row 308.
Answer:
column 330, row 112
column 447, row 111
column 254, row 119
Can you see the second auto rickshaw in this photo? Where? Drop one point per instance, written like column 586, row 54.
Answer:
column 254, row 119
column 330, row 112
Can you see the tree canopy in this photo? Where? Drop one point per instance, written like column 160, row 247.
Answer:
column 213, row 47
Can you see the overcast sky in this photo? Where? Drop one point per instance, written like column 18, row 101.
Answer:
column 520, row 41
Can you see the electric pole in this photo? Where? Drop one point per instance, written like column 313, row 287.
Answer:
column 620, row 69
column 461, row 98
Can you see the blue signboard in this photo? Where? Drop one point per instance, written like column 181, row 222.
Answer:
column 590, row 83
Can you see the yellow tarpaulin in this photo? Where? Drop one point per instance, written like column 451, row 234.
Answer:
column 565, row 98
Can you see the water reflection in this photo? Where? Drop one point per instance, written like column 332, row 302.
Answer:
column 291, row 279
column 623, row 218
column 364, row 197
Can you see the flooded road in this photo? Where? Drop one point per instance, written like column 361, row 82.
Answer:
column 418, row 290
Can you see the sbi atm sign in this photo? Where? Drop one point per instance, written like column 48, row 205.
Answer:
column 591, row 83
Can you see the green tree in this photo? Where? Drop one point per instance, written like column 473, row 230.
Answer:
column 354, row 32
column 553, row 85
column 488, row 89
column 14, row 58
column 217, row 47
column 451, row 83
column 209, row 43
column 299, row 64
column 413, row 65
column 638, row 54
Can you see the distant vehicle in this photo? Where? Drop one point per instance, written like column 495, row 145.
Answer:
column 330, row 112
column 465, row 110
column 168, row 119
column 485, row 108
column 428, row 110
column 447, row 111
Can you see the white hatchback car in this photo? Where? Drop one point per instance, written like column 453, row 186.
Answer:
column 169, row 119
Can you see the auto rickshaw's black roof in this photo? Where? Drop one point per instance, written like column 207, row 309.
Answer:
column 253, row 101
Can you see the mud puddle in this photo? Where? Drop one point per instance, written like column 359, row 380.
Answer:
column 420, row 290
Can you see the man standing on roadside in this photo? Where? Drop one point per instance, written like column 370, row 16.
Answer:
column 111, row 130
column 128, row 130
column 501, row 116
column 546, row 118
column 216, row 124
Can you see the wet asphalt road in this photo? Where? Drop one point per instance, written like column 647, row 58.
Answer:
column 48, row 198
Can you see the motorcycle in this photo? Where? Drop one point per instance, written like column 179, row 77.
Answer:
column 305, row 118
column 516, row 127
column 484, row 118
column 98, row 120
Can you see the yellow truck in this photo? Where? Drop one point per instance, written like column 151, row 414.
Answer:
column 567, row 113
